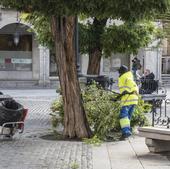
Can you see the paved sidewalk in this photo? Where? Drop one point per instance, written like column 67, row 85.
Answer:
column 130, row 154
column 29, row 151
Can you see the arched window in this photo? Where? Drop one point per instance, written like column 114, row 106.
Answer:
column 15, row 48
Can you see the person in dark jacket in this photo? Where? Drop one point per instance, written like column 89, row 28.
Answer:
column 148, row 75
column 148, row 83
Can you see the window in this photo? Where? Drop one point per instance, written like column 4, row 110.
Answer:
column 15, row 57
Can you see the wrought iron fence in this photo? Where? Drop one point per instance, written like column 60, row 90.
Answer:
column 161, row 116
column 160, row 113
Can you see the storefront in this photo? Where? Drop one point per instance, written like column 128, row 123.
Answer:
column 15, row 48
column 23, row 62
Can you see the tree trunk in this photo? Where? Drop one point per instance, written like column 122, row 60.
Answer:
column 94, row 62
column 75, row 121
column 95, row 46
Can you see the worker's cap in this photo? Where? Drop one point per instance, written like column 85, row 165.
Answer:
column 123, row 69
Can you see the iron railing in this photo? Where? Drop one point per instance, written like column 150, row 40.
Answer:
column 160, row 112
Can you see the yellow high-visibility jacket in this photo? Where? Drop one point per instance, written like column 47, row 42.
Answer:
column 127, row 83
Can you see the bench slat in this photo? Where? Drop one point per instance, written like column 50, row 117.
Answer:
column 154, row 133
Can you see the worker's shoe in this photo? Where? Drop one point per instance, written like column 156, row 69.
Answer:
column 125, row 136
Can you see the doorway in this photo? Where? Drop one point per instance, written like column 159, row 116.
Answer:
column 166, row 65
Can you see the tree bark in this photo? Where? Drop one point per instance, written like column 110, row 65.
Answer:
column 96, row 46
column 94, row 62
column 75, row 121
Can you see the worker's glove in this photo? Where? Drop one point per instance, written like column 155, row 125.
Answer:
column 126, row 92
column 114, row 99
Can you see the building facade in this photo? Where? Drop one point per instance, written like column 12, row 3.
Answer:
column 22, row 60
column 25, row 63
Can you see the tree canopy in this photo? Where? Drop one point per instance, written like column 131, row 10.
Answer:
column 42, row 26
column 125, row 38
column 129, row 38
column 117, row 9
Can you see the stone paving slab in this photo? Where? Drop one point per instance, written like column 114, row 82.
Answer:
column 134, row 154
column 157, row 167
column 123, row 156
column 31, row 93
column 38, row 113
column 42, row 154
column 101, row 159
column 148, row 160
column 29, row 151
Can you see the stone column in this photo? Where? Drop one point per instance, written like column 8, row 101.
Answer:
column 101, row 66
column 159, row 61
column 47, row 65
column 44, row 67
column 35, row 60
column 152, row 61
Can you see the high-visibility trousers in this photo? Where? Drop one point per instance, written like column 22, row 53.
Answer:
column 125, row 117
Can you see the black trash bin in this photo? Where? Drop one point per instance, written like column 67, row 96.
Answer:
column 10, row 111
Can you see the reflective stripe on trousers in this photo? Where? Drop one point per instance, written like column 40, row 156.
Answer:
column 125, row 117
column 124, row 122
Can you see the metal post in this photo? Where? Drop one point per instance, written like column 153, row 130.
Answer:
column 153, row 111
column 77, row 46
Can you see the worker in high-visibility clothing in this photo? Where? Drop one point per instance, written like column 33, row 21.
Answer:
column 129, row 99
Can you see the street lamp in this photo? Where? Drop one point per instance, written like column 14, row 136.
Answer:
column 16, row 38
column 16, row 35
column 77, row 46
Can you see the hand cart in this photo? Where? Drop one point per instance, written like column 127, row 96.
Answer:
column 8, row 129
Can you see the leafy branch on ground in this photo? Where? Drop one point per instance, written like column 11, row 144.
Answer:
column 93, row 141
column 74, row 165
column 102, row 112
